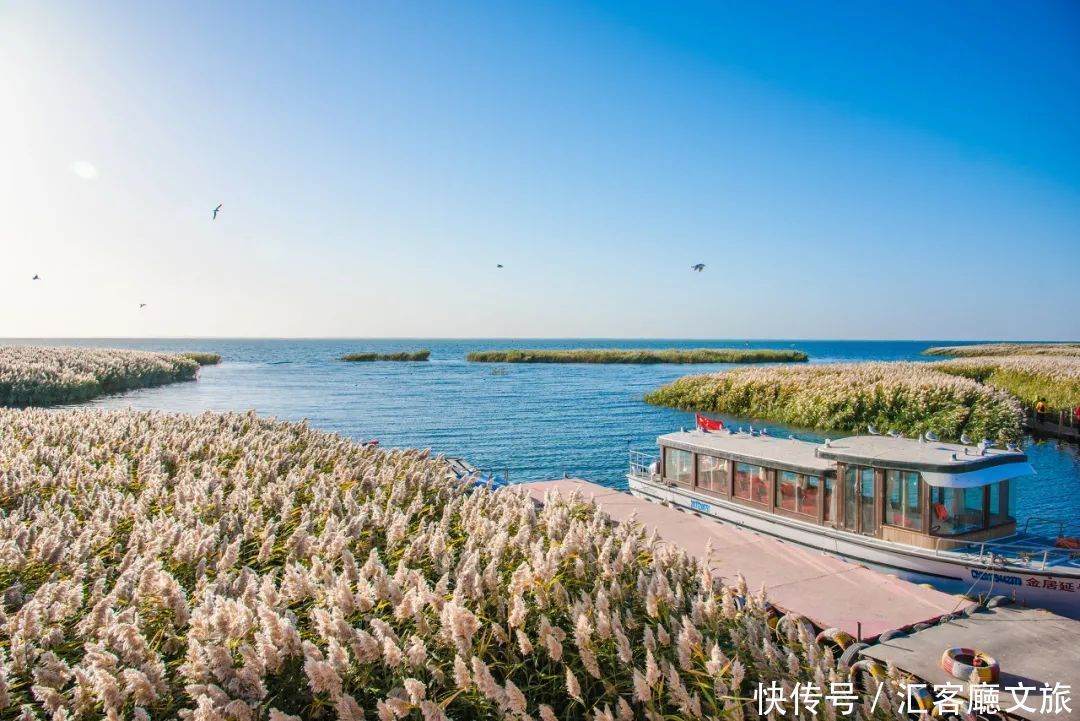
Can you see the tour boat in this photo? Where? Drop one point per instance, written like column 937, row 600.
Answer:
column 927, row 511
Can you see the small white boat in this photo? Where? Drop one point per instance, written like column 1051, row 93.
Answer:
column 930, row 512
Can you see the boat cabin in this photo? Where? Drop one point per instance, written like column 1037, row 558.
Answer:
column 921, row 493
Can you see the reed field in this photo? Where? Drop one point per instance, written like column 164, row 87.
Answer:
column 203, row 358
column 1006, row 349
column 420, row 355
column 233, row 568
column 1030, row 377
column 44, row 376
column 908, row 397
column 617, row 355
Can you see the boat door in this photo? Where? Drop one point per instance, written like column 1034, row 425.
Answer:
column 859, row 501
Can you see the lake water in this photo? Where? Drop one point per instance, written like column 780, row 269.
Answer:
column 538, row 421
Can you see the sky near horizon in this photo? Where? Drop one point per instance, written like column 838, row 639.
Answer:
column 844, row 170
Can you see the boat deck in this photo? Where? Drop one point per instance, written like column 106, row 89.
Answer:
column 829, row 591
column 1023, row 552
column 1033, row 647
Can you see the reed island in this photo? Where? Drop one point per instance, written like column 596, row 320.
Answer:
column 1029, row 371
column 618, row 355
column 46, row 376
column 910, row 398
column 235, row 567
column 420, row 355
column 203, row 358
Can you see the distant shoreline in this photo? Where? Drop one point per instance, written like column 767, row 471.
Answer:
column 643, row 356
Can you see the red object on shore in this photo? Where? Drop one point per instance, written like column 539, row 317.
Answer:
column 708, row 424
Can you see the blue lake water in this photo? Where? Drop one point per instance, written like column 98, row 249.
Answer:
column 538, row 421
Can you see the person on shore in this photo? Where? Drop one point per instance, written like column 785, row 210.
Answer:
column 1040, row 411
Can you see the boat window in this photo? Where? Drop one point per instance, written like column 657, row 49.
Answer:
column 750, row 483
column 956, row 510
column 851, row 498
column 712, row 474
column 808, row 495
column 796, row 492
column 678, row 465
column 830, row 501
column 1002, row 504
column 866, row 501
column 787, row 485
column 903, row 494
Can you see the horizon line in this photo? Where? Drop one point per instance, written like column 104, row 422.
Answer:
column 527, row 338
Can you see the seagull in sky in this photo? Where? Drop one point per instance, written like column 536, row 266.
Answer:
column 698, row 267
column 498, row 265
column 142, row 305
column 216, row 211
column 36, row 277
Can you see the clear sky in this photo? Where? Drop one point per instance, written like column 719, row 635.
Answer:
column 845, row 170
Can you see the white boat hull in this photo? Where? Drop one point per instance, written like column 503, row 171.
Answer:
column 1053, row 591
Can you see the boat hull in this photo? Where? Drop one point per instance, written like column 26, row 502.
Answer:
column 1047, row 589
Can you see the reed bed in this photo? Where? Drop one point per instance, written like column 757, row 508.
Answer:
column 618, row 355
column 1006, row 349
column 1029, row 377
column 233, row 568
column 203, row 358
column 420, row 355
column 908, row 397
column 44, row 376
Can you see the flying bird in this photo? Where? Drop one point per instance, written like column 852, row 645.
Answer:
column 498, row 265
column 216, row 211
column 698, row 267
column 36, row 277
column 142, row 305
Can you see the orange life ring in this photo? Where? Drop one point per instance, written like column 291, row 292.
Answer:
column 962, row 662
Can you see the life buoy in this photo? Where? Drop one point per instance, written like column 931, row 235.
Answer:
column 837, row 637
column 1067, row 542
column 962, row 662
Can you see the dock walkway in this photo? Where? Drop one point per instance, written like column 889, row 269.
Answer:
column 829, row 591
column 1059, row 424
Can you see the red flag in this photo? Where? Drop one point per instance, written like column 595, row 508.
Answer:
column 708, row 424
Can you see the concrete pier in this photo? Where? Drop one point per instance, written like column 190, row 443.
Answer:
column 1032, row 647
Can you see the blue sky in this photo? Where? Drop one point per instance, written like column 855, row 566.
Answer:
column 845, row 170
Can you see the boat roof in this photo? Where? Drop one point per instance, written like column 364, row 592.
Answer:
column 941, row 464
column 948, row 465
column 784, row 453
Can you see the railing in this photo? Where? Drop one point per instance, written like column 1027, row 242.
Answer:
column 1033, row 555
column 644, row 464
column 1064, row 528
